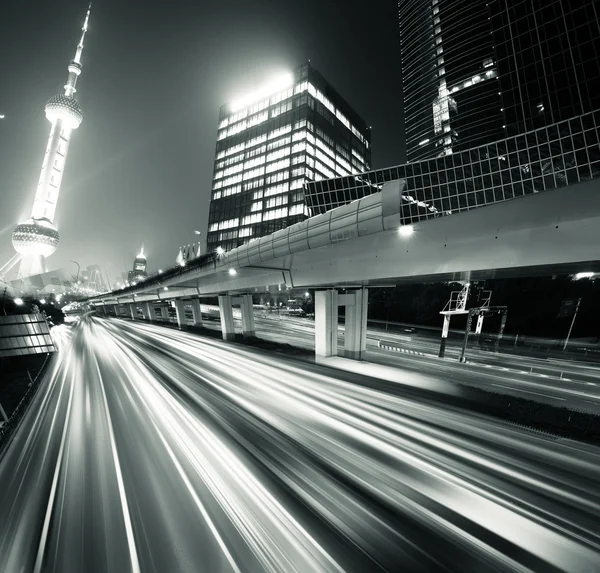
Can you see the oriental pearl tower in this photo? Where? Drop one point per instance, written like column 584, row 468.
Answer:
column 37, row 238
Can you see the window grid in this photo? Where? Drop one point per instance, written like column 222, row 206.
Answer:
column 550, row 157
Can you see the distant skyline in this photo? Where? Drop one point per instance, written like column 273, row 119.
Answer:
column 140, row 168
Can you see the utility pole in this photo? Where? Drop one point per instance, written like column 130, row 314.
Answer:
column 4, row 300
column 572, row 323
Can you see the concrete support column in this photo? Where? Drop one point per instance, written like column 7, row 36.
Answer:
column 463, row 352
column 500, row 332
column 355, row 339
column 445, row 330
column 149, row 312
column 117, row 311
column 226, row 312
column 180, row 312
column 247, row 310
column 326, row 322
column 196, row 312
column 133, row 310
column 164, row 312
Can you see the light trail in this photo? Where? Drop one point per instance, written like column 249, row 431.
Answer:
column 155, row 450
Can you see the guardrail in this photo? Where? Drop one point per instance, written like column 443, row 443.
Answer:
column 7, row 429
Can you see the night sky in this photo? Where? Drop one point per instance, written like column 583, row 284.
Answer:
column 154, row 76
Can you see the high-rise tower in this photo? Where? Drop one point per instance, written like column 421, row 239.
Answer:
column 476, row 72
column 269, row 144
column 37, row 238
column 139, row 269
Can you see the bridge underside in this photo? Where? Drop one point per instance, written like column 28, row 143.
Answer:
column 360, row 245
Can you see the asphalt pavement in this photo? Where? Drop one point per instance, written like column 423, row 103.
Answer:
column 562, row 383
column 151, row 449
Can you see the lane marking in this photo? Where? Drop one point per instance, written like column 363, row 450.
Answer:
column 135, row 564
column 39, row 560
column 529, row 392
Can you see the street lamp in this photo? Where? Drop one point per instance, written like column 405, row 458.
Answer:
column 18, row 301
column 78, row 270
column 406, row 230
column 232, row 272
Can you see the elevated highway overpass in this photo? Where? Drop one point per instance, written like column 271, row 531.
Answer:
column 344, row 251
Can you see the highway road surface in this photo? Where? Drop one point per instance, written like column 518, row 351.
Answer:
column 153, row 450
column 557, row 382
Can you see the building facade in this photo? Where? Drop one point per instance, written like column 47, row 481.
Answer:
column 272, row 142
column 475, row 72
column 553, row 156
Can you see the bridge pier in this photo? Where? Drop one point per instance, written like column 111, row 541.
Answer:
column 327, row 303
column 226, row 313
column 180, row 312
column 133, row 310
column 149, row 311
column 117, row 311
column 247, row 310
column 196, row 311
column 326, row 322
column 355, row 340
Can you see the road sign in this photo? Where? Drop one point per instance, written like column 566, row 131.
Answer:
column 568, row 307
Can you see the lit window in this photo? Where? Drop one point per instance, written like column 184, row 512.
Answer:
column 255, row 141
column 275, row 189
column 301, row 87
column 275, row 214
column 296, row 209
column 250, row 219
column 300, row 124
column 228, row 224
column 280, row 131
column 278, row 143
column 297, row 184
column 254, row 162
column 277, row 165
column 254, row 173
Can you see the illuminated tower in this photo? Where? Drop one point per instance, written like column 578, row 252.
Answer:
column 37, row 238
column 139, row 269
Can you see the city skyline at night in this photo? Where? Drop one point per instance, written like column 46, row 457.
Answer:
column 353, row 325
column 143, row 164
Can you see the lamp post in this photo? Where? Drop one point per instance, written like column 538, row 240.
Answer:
column 78, row 271
column 199, row 244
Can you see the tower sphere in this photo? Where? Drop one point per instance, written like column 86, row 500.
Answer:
column 66, row 108
column 35, row 237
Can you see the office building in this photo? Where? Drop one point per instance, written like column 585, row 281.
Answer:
column 449, row 77
column 553, row 156
column 269, row 144
column 479, row 71
column 548, row 58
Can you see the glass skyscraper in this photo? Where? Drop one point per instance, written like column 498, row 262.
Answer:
column 449, row 77
column 479, row 71
column 269, row 145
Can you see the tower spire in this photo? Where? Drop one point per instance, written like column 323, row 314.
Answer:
column 77, row 58
column 37, row 238
column 75, row 66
